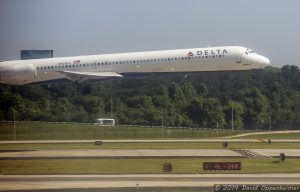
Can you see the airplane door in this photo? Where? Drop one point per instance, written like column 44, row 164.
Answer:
column 238, row 58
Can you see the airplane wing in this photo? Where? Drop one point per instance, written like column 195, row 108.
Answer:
column 83, row 76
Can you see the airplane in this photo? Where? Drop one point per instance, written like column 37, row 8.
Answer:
column 83, row 68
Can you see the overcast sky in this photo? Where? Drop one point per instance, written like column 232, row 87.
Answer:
column 82, row 27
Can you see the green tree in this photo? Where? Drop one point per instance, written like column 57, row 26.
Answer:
column 256, row 107
column 177, row 96
column 238, row 112
column 189, row 91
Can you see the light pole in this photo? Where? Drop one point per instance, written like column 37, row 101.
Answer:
column 231, row 117
column 162, row 127
column 14, row 125
column 270, row 125
column 111, row 107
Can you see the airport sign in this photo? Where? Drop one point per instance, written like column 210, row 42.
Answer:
column 230, row 166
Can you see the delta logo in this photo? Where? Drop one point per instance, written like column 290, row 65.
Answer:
column 190, row 54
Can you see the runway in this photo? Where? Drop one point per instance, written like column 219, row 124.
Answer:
column 117, row 153
column 35, row 182
column 213, row 140
column 142, row 153
column 263, row 133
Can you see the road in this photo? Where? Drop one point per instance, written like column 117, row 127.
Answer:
column 34, row 182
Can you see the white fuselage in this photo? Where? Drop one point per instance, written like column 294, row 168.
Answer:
column 231, row 58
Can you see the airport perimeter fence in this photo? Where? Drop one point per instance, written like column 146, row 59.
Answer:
column 33, row 130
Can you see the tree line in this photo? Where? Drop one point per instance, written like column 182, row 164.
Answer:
column 268, row 100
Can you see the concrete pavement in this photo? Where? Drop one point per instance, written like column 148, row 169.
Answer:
column 213, row 140
column 114, row 153
column 141, row 153
column 34, row 182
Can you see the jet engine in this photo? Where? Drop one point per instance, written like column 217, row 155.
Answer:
column 18, row 74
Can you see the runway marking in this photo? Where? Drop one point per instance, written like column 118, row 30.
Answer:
column 251, row 154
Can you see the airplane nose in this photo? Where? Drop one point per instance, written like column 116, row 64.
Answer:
column 264, row 61
column 267, row 61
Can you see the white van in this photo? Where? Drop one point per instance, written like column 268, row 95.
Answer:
column 105, row 122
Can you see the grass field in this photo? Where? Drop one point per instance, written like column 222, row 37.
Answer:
column 178, row 145
column 66, row 131
column 149, row 166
